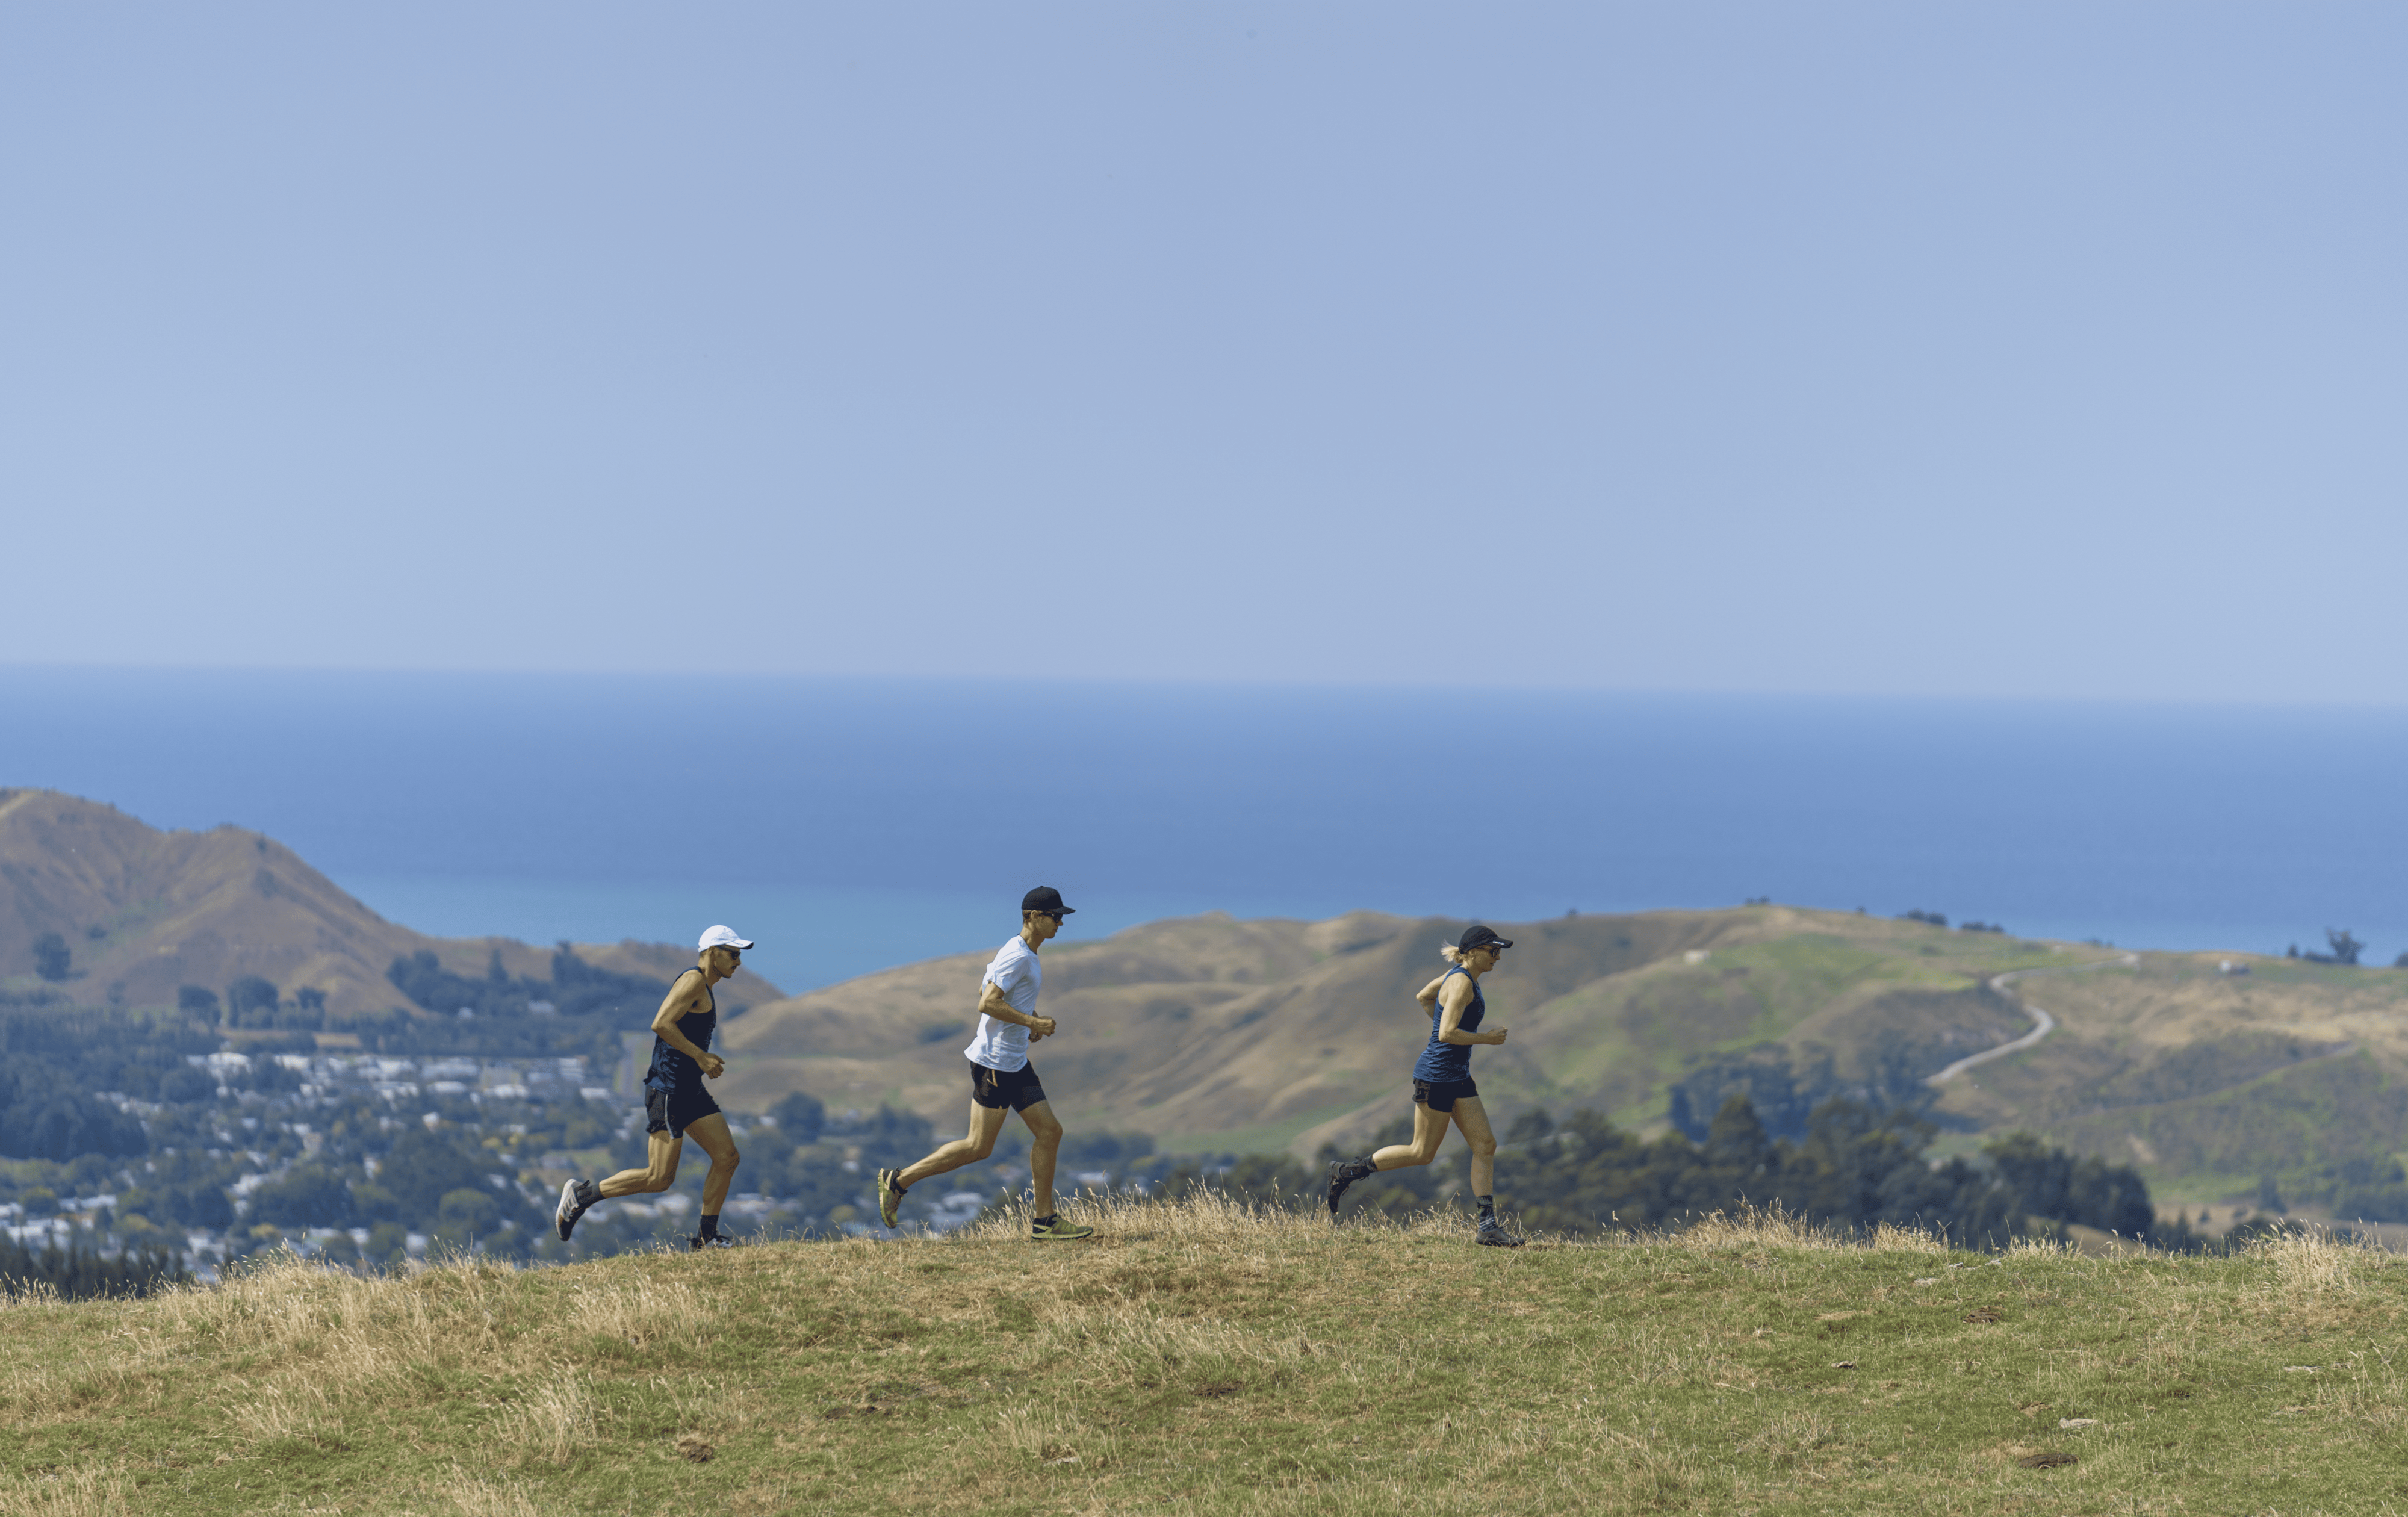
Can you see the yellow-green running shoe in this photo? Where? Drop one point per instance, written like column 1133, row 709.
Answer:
column 890, row 1195
column 1055, row 1230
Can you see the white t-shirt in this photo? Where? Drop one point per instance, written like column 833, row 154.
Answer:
column 1004, row 1045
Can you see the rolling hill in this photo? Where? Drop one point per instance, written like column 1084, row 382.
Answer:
column 1216, row 1035
column 1210, row 1032
column 143, row 911
column 1213, row 1033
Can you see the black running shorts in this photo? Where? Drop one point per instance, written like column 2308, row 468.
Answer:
column 1442, row 1094
column 674, row 1111
column 996, row 1089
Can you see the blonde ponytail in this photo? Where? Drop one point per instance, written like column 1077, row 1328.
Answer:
column 1451, row 953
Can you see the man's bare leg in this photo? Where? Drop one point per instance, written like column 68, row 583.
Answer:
column 1045, row 1143
column 659, row 1175
column 986, row 1122
column 711, row 1136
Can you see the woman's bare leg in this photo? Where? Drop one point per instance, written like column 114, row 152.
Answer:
column 1476, row 1130
column 1429, row 1131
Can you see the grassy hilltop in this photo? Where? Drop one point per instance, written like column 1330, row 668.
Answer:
column 1198, row 1359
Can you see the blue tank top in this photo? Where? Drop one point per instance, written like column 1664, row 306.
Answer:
column 673, row 1071
column 1450, row 1061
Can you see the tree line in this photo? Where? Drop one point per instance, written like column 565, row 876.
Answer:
column 1855, row 1167
column 76, row 1272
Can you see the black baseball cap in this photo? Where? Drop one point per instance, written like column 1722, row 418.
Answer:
column 1481, row 938
column 1044, row 898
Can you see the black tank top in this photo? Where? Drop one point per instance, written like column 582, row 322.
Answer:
column 673, row 1071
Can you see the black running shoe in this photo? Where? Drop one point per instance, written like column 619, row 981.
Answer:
column 1495, row 1236
column 718, row 1240
column 1342, row 1174
column 575, row 1198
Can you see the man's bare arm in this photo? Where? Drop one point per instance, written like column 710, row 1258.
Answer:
column 993, row 1003
column 674, row 1005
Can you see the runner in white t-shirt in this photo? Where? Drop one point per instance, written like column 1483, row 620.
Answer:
column 1001, row 1078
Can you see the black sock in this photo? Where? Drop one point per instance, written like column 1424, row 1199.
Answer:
column 1039, row 1222
column 1487, row 1209
column 711, row 1225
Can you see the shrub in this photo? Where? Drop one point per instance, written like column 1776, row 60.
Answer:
column 177, row 1087
column 251, row 1002
column 800, row 1117
column 471, row 1210
column 306, row 1196
column 51, row 956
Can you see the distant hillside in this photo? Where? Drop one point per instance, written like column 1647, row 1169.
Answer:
column 143, row 911
column 1212, row 1033
column 2294, row 1070
column 1216, row 1034
column 1208, row 1030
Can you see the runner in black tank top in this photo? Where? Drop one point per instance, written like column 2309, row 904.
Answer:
column 676, row 1104
column 1443, row 1092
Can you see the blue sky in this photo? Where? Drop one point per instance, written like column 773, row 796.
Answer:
column 2048, row 350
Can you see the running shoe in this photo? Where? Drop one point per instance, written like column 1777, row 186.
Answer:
column 697, row 1242
column 1055, row 1230
column 1495, row 1236
column 574, row 1197
column 890, row 1195
column 1342, row 1174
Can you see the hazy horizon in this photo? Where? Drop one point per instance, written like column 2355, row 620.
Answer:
column 853, row 824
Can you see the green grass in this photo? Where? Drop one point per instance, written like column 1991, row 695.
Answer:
column 2306, row 1117
column 1644, row 1030
column 1196, row 1359
column 1257, row 1137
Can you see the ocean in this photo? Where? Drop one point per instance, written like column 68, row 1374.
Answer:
column 851, row 824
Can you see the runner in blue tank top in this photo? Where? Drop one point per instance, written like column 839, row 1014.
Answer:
column 1444, row 1090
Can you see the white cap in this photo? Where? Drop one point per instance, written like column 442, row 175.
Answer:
column 723, row 937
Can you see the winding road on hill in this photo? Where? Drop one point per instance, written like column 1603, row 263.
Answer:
column 2043, row 1023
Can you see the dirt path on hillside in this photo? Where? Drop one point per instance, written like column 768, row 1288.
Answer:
column 2043, row 1023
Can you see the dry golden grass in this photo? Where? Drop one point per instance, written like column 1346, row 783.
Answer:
column 1207, row 1357
column 474, row 1498
column 64, row 1492
column 2319, row 1262
column 555, row 1419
